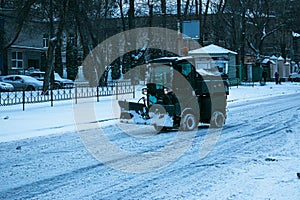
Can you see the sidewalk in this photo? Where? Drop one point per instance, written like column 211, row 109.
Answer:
column 244, row 93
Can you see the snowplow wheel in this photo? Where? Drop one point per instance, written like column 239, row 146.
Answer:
column 157, row 128
column 217, row 119
column 188, row 122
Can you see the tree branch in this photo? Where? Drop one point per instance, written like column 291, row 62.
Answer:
column 22, row 14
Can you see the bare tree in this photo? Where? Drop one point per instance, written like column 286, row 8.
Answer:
column 287, row 14
column 179, row 10
column 186, row 7
column 203, row 19
column 259, row 17
column 220, row 25
column 163, row 5
column 131, row 21
column 122, row 14
column 164, row 12
column 55, row 36
column 22, row 12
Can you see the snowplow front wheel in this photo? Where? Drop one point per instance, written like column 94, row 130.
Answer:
column 217, row 119
column 188, row 122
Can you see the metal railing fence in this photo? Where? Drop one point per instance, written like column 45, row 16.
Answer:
column 79, row 91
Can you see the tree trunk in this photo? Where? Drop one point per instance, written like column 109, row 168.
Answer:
column 122, row 15
column 163, row 6
column 50, row 51
column 164, row 23
column 150, row 5
column 187, row 4
column 203, row 20
column 54, row 38
column 179, row 10
column 200, row 24
column 58, row 59
column 131, row 21
column 243, row 37
column 197, row 7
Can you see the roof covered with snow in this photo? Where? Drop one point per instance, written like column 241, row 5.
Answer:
column 28, row 47
column 266, row 60
column 281, row 58
column 211, row 49
column 295, row 34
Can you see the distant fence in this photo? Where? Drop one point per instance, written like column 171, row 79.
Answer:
column 234, row 82
column 79, row 91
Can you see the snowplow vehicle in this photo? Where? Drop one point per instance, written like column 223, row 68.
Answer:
column 177, row 96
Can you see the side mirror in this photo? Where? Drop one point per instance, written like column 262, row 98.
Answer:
column 144, row 91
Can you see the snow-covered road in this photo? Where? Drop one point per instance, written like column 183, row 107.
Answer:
column 255, row 157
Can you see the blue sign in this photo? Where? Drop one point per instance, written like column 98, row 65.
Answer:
column 191, row 29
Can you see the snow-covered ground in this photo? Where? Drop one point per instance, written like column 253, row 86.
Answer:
column 255, row 157
column 245, row 93
column 42, row 119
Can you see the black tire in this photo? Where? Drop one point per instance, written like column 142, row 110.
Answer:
column 157, row 128
column 56, row 86
column 160, row 128
column 158, row 110
column 30, row 88
column 188, row 122
column 217, row 119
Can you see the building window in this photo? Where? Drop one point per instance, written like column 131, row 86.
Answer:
column 46, row 40
column 222, row 66
column 202, row 65
column 17, row 59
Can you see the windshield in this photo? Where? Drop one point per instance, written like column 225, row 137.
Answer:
column 27, row 78
column 57, row 76
column 161, row 75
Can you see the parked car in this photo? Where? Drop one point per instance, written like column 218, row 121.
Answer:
column 59, row 82
column 295, row 76
column 23, row 82
column 6, row 87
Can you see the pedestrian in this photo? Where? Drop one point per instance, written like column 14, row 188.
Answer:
column 276, row 78
column 264, row 75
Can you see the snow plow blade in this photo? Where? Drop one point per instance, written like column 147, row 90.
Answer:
column 135, row 113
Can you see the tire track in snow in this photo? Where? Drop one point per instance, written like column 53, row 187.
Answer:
column 229, row 148
column 31, row 190
column 172, row 181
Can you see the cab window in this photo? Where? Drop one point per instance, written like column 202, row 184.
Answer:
column 186, row 69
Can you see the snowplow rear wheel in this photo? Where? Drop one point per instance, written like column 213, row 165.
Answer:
column 217, row 119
